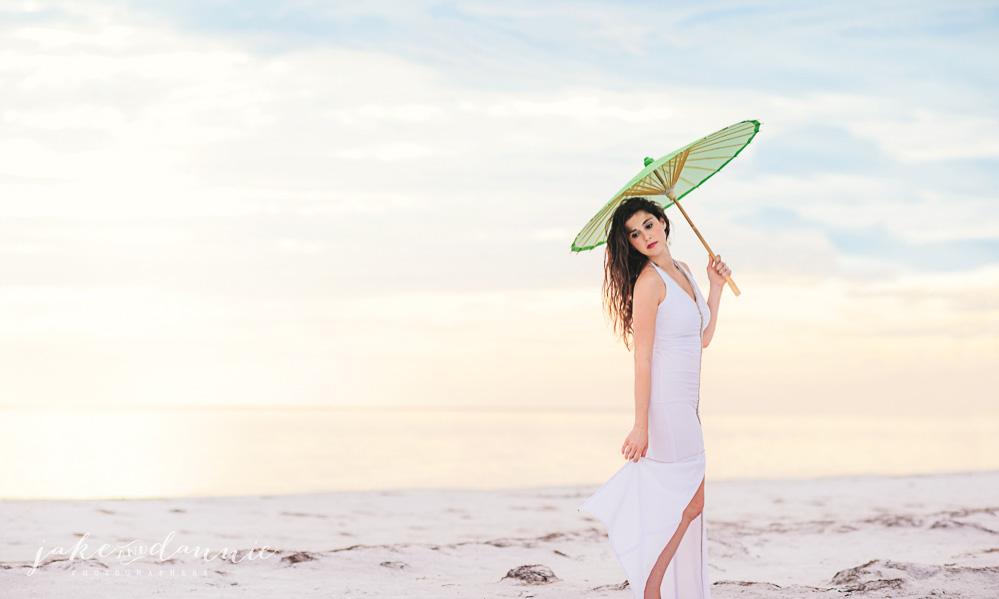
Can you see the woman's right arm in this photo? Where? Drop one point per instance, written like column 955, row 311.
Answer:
column 645, row 302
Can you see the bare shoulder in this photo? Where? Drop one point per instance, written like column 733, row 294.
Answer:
column 649, row 287
column 684, row 264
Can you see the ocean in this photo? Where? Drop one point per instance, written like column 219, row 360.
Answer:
column 124, row 453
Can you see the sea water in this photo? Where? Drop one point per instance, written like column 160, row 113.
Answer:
column 200, row 452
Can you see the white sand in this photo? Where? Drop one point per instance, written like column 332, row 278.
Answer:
column 917, row 536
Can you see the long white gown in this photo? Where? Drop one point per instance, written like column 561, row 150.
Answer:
column 642, row 504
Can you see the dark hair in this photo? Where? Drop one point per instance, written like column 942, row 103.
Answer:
column 622, row 263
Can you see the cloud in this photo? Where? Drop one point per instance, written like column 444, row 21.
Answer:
column 928, row 136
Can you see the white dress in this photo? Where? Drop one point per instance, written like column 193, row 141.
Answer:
column 642, row 504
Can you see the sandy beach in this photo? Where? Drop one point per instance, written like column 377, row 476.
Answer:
column 862, row 536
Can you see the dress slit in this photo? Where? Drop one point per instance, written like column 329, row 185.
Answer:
column 671, row 565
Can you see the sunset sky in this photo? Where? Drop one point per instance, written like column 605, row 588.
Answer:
column 328, row 204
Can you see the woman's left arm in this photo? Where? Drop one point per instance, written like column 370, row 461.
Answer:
column 717, row 271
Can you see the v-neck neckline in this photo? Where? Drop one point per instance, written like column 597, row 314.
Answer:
column 693, row 299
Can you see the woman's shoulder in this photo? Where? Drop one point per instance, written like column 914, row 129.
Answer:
column 649, row 285
column 648, row 272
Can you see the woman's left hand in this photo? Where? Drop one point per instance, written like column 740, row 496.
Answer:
column 717, row 271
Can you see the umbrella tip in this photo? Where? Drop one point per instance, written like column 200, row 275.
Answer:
column 648, row 161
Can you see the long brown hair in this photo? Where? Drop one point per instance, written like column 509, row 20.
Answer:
column 622, row 263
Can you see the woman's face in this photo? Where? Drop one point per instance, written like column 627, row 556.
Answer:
column 646, row 233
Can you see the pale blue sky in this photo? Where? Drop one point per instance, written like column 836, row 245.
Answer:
column 308, row 203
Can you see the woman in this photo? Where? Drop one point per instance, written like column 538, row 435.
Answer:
column 649, row 505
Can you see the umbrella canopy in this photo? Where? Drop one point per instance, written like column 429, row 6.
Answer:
column 672, row 177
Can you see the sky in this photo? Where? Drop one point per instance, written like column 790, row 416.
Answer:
column 220, row 203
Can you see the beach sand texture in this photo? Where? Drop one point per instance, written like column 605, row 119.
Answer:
column 862, row 536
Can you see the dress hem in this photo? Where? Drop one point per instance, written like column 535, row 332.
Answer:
column 606, row 504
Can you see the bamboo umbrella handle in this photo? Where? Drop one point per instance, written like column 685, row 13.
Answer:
column 728, row 278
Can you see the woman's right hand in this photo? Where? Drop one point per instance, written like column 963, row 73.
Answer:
column 636, row 443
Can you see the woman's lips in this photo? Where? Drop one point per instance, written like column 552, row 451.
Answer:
column 652, row 244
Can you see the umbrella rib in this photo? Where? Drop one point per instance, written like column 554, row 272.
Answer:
column 682, row 161
column 708, row 142
column 722, row 138
column 660, row 179
column 724, row 135
column 728, row 135
column 721, row 148
column 644, row 187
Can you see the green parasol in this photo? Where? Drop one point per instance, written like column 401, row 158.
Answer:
column 672, row 177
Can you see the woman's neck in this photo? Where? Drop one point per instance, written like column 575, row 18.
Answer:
column 665, row 261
